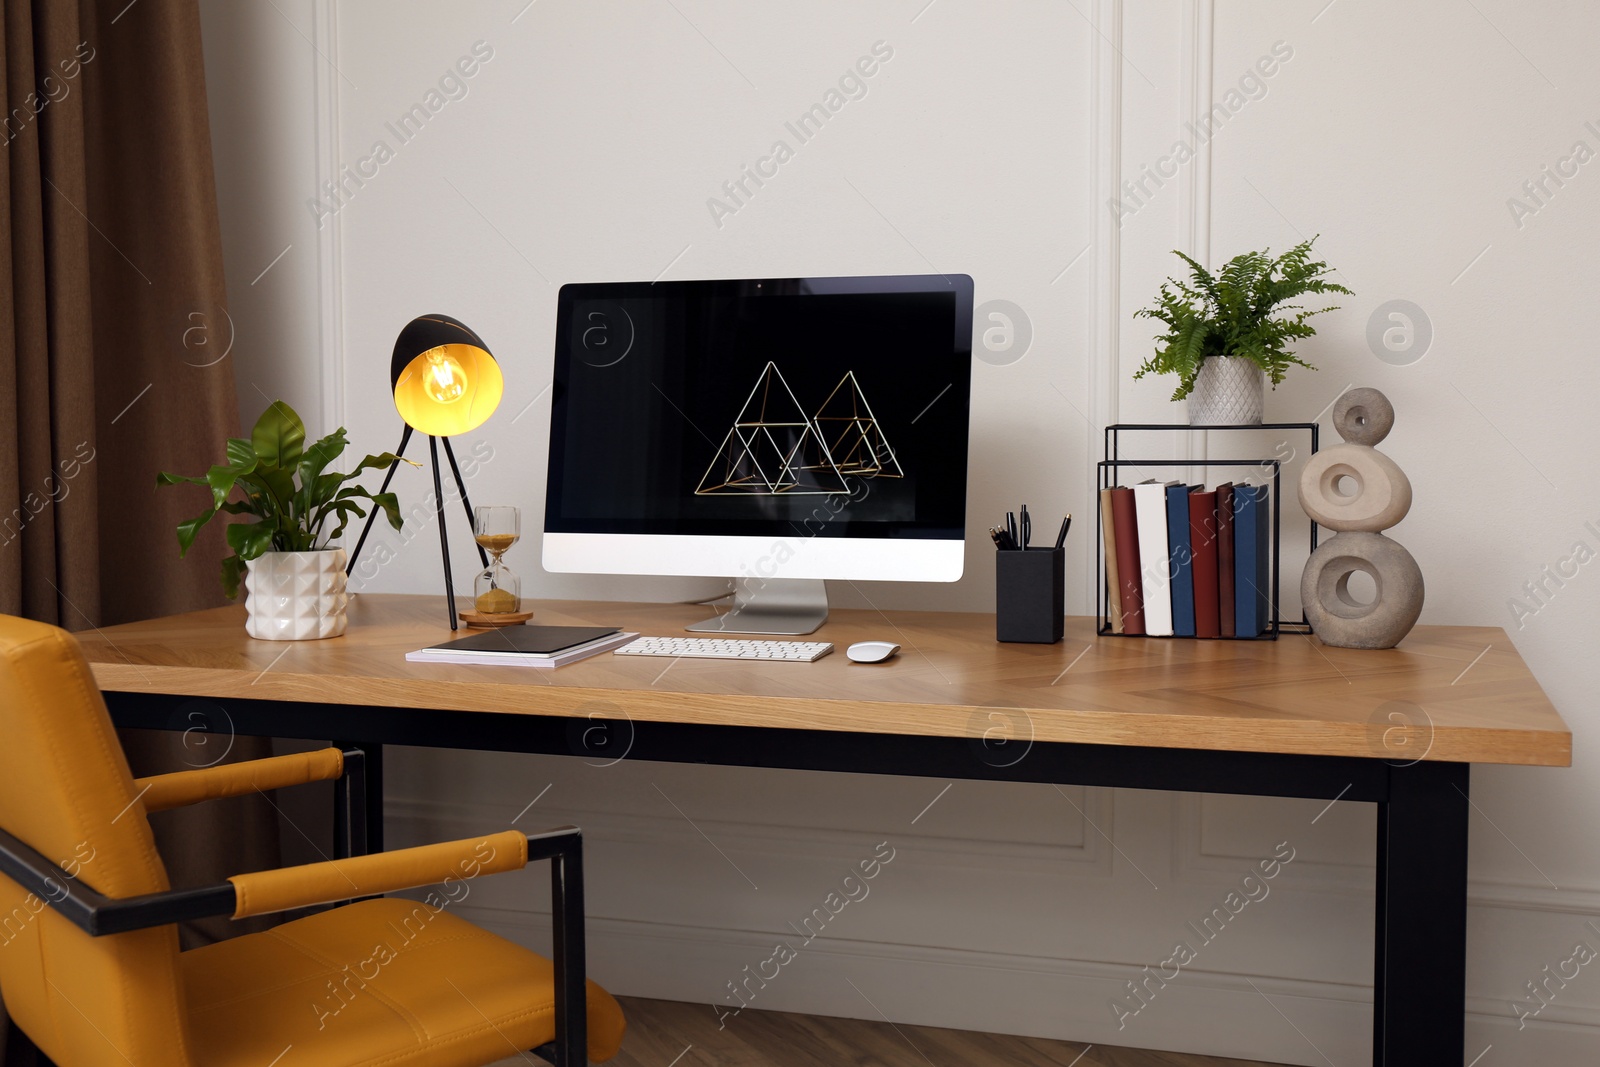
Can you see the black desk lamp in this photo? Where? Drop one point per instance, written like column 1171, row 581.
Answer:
column 445, row 382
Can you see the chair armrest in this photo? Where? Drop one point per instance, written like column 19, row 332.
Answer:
column 180, row 788
column 264, row 892
column 97, row 915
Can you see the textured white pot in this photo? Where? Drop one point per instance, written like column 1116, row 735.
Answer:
column 296, row 596
column 1228, row 391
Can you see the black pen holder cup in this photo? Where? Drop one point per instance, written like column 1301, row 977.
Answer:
column 1030, row 595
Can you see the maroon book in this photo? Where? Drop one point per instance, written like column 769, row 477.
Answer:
column 1225, row 558
column 1203, row 560
column 1127, row 536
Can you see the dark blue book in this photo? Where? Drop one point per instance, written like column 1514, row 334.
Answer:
column 1251, row 555
column 1182, row 560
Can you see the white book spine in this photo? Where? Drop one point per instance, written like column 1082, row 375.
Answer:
column 1150, row 511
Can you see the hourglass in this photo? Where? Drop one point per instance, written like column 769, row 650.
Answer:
column 498, row 589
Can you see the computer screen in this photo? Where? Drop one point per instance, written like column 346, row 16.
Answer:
column 833, row 409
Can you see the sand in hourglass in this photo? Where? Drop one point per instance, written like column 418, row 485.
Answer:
column 497, row 601
column 497, row 543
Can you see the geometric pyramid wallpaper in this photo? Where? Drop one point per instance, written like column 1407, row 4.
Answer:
column 854, row 439
column 774, row 449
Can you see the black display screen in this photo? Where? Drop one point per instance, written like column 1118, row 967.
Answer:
column 831, row 407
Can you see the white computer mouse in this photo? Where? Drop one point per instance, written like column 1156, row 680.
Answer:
column 871, row 651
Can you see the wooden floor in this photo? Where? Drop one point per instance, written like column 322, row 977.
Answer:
column 664, row 1033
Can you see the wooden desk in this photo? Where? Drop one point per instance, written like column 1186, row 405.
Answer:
column 1292, row 718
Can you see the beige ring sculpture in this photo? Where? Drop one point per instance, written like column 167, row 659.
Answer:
column 1341, row 620
column 1381, row 496
column 1363, row 416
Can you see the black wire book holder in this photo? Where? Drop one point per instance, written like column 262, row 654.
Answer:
column 1114, row 462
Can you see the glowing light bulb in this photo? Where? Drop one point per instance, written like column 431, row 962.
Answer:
column 444, row 379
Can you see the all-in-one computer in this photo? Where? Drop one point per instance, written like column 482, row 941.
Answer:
column 773, row 431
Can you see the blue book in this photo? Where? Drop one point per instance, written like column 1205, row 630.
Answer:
column 1251, row 554
column 1181, row 554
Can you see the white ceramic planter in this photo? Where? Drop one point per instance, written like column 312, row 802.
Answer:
column 1228, row 391
column 296, row 596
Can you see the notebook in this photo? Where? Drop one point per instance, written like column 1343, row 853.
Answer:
column 531, row 646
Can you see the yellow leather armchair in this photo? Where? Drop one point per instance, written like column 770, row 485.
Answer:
column 90, row 968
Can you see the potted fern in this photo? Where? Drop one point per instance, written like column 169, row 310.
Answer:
column 295, row 582
column 1229, row 330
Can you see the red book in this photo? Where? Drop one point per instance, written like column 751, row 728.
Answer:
column 1225, row 558
column 1203, row 560
column 1127, row 537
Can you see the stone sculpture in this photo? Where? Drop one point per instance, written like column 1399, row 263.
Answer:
column 1357, row 491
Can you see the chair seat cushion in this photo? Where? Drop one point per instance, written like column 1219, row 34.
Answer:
column 381, row 983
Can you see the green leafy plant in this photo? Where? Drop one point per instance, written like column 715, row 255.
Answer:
column 1240, row 311
column 287, row 487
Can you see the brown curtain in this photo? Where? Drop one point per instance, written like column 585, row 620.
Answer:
column 111, row 281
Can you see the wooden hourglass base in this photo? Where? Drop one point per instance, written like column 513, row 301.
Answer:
column 481, row 621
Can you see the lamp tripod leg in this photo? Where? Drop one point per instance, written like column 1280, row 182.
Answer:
column 444, row 537
column 366, row 528
column 450, row 454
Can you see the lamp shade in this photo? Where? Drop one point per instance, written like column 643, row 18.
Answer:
column 445, row 382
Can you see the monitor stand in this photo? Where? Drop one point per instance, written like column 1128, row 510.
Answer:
column 787, row 606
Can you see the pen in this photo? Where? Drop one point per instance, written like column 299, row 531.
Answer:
column 1027, row 527
column 1011, row 526
column 1066, row 523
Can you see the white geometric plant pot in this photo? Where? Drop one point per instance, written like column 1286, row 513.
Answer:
column 296, row 596
column 1228, row 391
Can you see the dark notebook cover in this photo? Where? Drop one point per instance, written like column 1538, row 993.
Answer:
column 1203, row 548
column 1250, row 601
column 528, row 640
column 1127, row 537
column 1181, row 567
column 1225, row 558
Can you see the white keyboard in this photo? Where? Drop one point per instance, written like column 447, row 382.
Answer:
column 726, row 648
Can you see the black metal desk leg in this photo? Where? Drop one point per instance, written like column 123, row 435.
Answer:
column 1419, row 992
column 358, row 819
column 374, row 771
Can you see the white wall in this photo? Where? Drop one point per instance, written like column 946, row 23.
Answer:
column 586, row 148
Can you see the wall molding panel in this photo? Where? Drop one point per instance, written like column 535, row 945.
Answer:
column 752, row 837
column 1196, row 862
column 1105, row 156
column 1194, row 180
column 330, row 244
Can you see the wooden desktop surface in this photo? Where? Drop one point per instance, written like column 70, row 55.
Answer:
column 1463, row 693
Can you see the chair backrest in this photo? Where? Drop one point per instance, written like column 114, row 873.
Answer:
column 65, row 790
